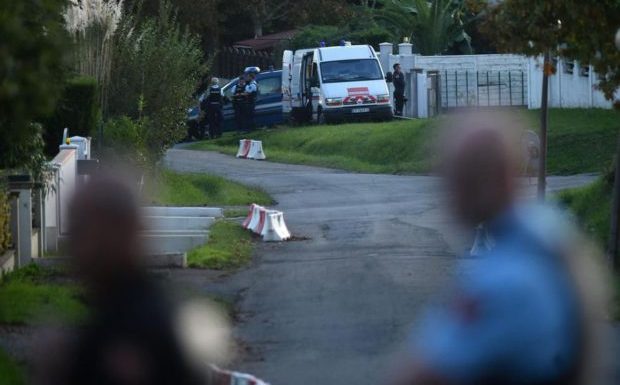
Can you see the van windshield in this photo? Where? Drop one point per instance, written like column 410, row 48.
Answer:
column 350, row 70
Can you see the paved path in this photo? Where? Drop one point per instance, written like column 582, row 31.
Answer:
column 332, row 309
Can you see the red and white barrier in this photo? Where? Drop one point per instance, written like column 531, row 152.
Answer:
column 248, row 219
column 267, row 223
column 256, row 150
column 244, row 148
column 251, row 149
column 274, row 229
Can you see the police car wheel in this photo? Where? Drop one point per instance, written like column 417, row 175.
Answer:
column 320, row 117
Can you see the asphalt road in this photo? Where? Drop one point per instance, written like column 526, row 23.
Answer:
column 333, row 309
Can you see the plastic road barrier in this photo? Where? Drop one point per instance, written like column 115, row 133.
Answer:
column 251, row 149
column 482, row 242
column 244, row 148
column 274, row 229
column 256, row 150
column 269, row 224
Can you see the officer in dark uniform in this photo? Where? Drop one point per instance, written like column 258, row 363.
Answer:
column 251, row 91
column 213, row 109
column 398, row 79
column 238, row 100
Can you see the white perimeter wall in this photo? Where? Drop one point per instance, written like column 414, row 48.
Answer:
column 566, row 90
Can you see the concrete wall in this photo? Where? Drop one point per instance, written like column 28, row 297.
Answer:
column 512, row 79
column 66, row 163
column 566, row 89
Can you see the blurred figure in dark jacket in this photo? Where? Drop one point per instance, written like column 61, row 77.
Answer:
column 130, row 337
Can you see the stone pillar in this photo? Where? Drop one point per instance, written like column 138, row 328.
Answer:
column 22, row 213
column 422, row 94
column 405, row 49
column 38, row 220
column 385, row 50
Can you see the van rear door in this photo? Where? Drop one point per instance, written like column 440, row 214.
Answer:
column 287, row 67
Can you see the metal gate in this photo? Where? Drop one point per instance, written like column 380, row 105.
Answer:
column 483, row 88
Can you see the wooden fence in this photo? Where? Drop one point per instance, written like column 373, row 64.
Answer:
column 230, row 62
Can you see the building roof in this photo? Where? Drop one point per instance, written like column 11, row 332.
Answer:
column 265, row 42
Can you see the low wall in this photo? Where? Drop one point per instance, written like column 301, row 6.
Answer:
column 500, row 79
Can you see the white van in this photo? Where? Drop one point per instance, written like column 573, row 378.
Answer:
column 332, row 84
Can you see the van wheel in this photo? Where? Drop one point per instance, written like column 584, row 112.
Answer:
column 320, row 117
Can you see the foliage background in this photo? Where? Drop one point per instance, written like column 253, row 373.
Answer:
column 156, row 69
column 32, row 47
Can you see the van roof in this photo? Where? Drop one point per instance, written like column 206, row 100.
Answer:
column 346, row 52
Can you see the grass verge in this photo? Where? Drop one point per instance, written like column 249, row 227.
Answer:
column 229, row 247
column 10, row 372
column 31, row 294
column 580, row 140
column 591, row 205
column 387, row 147
column 191, row 189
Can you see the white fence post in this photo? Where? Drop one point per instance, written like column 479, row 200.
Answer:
column 21, row 215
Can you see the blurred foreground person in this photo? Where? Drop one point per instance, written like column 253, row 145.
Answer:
column 133, row 336
column 130, row 336
column 526, row 311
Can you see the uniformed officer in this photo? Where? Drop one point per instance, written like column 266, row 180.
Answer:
column 251, row 91
column 213, row 109
column 238, row 102
column 398, row 78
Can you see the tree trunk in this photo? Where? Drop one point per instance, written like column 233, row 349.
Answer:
column 258, row 28
column 612, row 251
column 544, row 120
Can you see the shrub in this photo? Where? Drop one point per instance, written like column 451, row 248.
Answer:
column 373, row 35
column 312, row 36
column 31, row 46
column 156, row 68
column 77, row 109
column 5, row 235
column 123, row 138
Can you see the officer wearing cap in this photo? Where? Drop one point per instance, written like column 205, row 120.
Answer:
column 251, row 91
column 398, row 79
column 213, row 109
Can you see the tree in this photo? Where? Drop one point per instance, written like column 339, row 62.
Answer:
column 156, row 68
column 263, row 12
column 32, row 45
column 578, row 30
column 433, row 26
column 92, row 24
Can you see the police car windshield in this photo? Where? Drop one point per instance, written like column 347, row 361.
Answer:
column 350, row 70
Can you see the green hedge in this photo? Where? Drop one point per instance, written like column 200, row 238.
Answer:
column 77, row 109
column 5, row 236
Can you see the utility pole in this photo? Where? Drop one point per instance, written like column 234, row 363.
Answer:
column 544, row 120
column 612, row 250
column 614, row 233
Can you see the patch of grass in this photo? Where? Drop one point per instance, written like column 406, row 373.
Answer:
column 236, row 212
column 10, row 372
column 580, row 140
column 191, row 189
column 387, row 147
column 591, row 205
column 229, row 247
column 30, row 294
